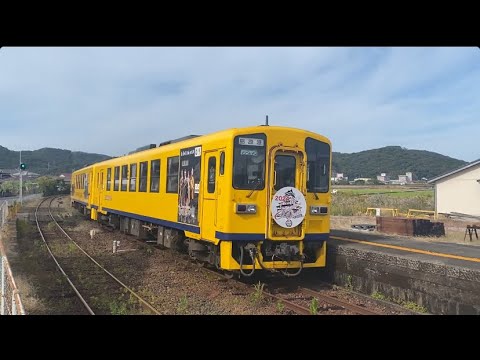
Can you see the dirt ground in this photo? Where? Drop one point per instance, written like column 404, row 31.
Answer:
column 167, row 279
column 454, row 228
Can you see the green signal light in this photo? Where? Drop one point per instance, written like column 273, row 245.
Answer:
column 23, row 166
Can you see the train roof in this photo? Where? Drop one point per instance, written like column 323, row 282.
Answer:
column 193, row 140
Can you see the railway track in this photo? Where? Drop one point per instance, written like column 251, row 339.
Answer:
column 358, row 310
column 95, row 289
column 306, row 301
column 297, row 299
column 300, row 300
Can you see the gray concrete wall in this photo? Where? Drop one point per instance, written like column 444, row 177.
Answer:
column 440, row 288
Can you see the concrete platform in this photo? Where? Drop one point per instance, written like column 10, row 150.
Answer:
column 441, row 277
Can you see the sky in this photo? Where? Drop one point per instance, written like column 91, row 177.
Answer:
column 111, row 100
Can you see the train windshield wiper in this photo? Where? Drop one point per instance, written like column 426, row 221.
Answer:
column 312, row 191
column 259, row 182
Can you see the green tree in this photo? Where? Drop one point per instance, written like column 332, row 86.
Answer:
column 9, row 188
column 48, row 186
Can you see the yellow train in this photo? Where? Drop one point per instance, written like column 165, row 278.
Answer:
column 243, row 199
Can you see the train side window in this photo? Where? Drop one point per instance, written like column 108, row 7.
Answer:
column 212, row 163
column 318, row 165
column 116, row 181
column 109, row 179
column 155, row 176
column 222, row 162
column 143, row 176
column 133, row 177
column 124, row 177
column 172, row 174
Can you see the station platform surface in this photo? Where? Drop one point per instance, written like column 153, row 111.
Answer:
column 438, row 277
column 464, row 255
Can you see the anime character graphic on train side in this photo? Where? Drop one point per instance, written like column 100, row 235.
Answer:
column 243, row 199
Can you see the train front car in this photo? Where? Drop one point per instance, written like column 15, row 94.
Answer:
column 279, row 219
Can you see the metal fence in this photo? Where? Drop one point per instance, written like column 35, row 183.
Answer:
column 3, row 213
column 15, row 199
column 10, row 302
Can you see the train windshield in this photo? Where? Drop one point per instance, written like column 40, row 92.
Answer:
column 318, row 165
column 285, row 167
column 249, row 162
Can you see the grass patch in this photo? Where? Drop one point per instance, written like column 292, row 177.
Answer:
column 71, row 247
column 257, row 295
column 349, row 282
column 280, row 306
column 51, row 226
column 314, row 306
column 105, row 304
column 393, row 192
column 410, row 305
column 118, row 308
column 351, row 204
column 24, row 229
column 379, row 296
column 182, row 306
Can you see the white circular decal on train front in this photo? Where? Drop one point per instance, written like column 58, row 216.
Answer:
column 288, row 207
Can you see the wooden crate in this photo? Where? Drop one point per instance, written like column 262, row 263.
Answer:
column 409, row 226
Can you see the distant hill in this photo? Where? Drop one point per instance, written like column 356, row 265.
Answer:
column 48, row 161
column 394, row 160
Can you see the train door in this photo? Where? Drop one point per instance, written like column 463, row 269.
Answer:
column 287, row 194
column 220, row 215
column 209, row 184
column 99, row 192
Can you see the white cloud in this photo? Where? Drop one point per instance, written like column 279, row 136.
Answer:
column 112, row 100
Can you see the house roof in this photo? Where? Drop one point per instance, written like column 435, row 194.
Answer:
column 472, row 164
column 25, row 173
column 66, row 176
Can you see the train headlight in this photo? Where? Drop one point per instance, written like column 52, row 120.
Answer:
column 318, row 210
column 246, row 209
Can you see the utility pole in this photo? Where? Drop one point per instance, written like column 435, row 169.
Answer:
column 20, row 168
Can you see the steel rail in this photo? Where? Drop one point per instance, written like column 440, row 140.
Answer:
column 144, row 302
column 334, row 301
column 84, row 302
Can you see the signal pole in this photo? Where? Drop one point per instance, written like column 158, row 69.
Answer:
column 20, row 168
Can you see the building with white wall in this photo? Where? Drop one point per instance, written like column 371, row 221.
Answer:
column 459, row 190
